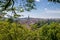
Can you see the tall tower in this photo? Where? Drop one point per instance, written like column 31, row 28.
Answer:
column 28, row 21
column 28, row 18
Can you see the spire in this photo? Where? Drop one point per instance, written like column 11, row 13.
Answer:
column 28, row 17
column 28, row 20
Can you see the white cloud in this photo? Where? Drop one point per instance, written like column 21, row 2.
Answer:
column 45, row 9
column 52, row 11
column 37, row 0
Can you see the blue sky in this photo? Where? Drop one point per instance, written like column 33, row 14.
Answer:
column 44, row 9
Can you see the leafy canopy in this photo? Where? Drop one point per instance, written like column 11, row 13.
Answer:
column 23, row 5
column 58, row 1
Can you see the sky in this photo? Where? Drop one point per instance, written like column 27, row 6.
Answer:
column 44, row 9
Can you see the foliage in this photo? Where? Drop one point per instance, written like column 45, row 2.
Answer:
column 40, row 24
column 10, row 6
column 16, row 31
column 56, row 1
column 49, row 32
column 24, row 4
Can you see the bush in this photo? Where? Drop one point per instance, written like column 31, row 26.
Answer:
column 50, row 32
column 16, row 31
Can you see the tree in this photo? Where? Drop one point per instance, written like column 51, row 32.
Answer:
column 24, row 5
column 9, row 5
column 58, row 1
